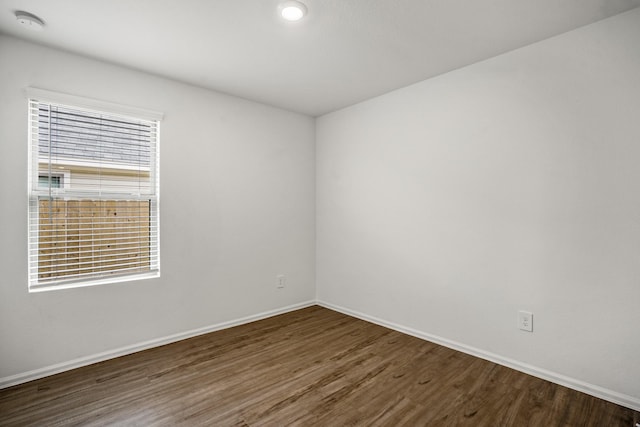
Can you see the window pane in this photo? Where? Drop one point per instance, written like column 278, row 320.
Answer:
column 87, row 238
column 43, row 181
column 93, row 138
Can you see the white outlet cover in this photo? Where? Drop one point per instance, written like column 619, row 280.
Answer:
column 525, row 321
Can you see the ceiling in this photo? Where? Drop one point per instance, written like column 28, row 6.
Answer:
column 342, row 52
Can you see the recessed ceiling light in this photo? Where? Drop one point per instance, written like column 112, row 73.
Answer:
column 29, row 21
column 293, row 10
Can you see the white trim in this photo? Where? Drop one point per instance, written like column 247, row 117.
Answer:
column 83, row 282
column 92, row 104
column 575, row 384
column 563, row 380
column 134, row 348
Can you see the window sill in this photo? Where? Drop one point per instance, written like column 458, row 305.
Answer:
column 96, row 282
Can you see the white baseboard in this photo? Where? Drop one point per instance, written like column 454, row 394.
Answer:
column 593, row 390
column 123, row 351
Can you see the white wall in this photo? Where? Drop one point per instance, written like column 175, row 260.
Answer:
column 510, row 184
column 237, row 208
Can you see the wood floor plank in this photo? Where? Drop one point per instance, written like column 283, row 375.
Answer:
column 311, row 367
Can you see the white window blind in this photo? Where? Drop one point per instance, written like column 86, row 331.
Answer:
column 102, row 225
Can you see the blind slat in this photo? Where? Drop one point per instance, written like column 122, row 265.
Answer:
column 60, row 268
column 74, row 252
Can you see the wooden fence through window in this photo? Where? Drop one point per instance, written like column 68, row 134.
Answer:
column 85, row 237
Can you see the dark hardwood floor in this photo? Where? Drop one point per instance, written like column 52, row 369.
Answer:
column 311, row 367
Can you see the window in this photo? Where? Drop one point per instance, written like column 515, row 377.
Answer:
column 43, row 181
column 93, row 192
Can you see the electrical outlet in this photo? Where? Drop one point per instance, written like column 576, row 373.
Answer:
column 525, row 321
column 280, row 281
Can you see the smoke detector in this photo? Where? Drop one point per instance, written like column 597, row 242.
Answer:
column 29, row 21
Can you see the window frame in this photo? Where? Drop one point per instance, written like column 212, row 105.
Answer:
column 65, row 178
column 91, row 106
